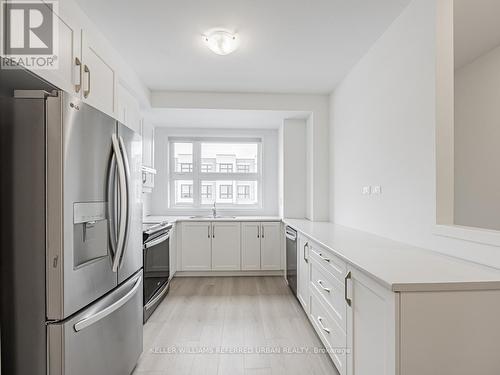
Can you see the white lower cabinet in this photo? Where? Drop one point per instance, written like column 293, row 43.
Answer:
column 270, row 246
column 331, row 333
column 230, row 246
column 353, row 315
column 196, row 253
column 250, row 246
column 226, row 246
column 371, row 327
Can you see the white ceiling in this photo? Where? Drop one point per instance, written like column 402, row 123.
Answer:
column 287, row 46
column 476, row 28
column 221, row 119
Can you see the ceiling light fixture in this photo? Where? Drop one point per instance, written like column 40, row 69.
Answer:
column 221, row 42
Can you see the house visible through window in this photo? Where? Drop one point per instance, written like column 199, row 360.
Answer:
column 226, row 172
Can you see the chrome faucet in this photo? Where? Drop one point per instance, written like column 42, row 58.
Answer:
column 214, row 211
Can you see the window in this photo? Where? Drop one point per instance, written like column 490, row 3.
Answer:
column 186, row 167
column 206, row 168
column 226, row 192
column 183, row 157
column 243, row 168
column 225, row 168
column 186, row 191
column 206, row 191
column 244, row 192
column 203, row 172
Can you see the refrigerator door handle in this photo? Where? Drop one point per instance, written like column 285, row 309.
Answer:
column 127, row 182
column 122, row 183
column 112, row 204
column 87, row 322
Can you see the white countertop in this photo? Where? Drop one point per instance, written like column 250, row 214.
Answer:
column 174, row 219
column 398, row 266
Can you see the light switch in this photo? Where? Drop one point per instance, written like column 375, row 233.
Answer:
column 377, row 190
column 366, row 190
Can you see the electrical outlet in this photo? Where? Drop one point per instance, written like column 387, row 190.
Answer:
column 366, row 190
column 377, row 190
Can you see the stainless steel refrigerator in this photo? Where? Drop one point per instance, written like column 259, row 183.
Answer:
column 71, row 237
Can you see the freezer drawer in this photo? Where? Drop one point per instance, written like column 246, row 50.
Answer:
column 105, row 338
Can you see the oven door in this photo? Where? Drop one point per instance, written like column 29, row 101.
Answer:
column 156, row 265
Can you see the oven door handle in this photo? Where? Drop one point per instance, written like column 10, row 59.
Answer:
column 157, row 241
column 158, row 297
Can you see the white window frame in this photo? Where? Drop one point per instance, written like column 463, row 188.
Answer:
column 197, row 176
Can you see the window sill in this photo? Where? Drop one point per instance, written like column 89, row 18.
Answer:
column 471, row 234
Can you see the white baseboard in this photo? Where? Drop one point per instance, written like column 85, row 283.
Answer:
column 227, row 273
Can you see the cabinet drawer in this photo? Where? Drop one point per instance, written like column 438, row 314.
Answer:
column 333, row 337
column 332, row 263
column 331, row 291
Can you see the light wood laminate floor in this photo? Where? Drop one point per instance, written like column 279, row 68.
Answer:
column 219, row 314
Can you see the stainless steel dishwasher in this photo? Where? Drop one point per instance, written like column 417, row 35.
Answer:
column 291, row 258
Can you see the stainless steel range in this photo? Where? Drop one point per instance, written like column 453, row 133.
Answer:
column 156, row 259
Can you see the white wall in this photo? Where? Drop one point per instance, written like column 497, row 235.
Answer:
column 382, row 132
column 294, row 168
column 146, row 204
column 270, row 170
column 317, row 105
column 477, row 142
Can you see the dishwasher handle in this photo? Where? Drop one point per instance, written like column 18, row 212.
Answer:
column 291, row 234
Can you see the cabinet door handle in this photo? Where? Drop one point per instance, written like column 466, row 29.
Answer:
column 258, row 231
column 320, row 321
column 78, row 85
column 262, row 231
column 213, row 231
column 320, row 283
column 325, row 259
column 86, row 93
column 306, row 246
column 347, row 278
column 208, row 228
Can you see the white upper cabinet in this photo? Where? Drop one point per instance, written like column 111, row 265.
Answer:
column 148, row 157
column 128, row 110
column 196, row 253
column 98, row 78
column 226, row 246
column 89, row 68
column 67, row 76
column 270, row 250
column 250, row 246
column 148, row 145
